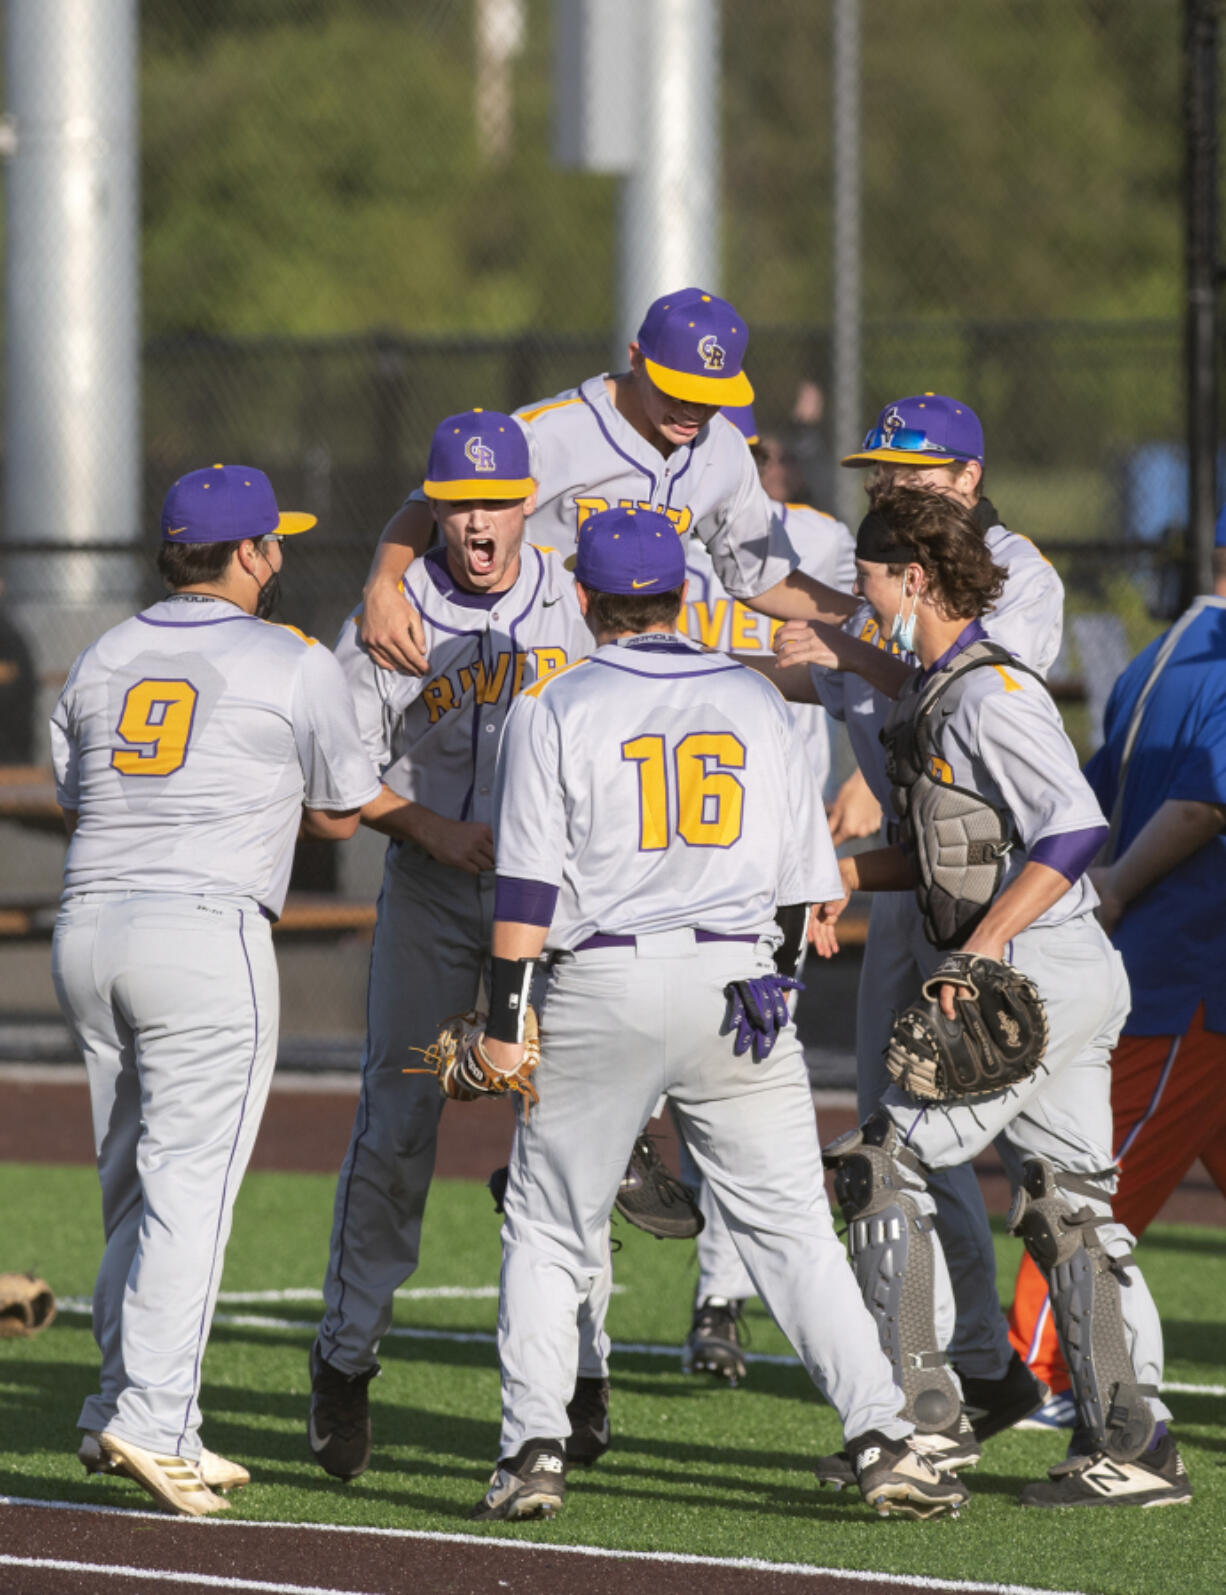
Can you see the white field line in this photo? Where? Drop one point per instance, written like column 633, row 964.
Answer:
column 482, row 1337
column 172, row 1576
column 896, row 1581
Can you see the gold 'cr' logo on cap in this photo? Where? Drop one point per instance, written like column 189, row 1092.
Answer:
column 713, row 352
column 479, row 454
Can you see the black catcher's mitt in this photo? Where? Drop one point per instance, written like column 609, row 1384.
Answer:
column 653, row 1199
column 998, row 1038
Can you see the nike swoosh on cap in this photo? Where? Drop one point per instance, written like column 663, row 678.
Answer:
column 651, row 583
column 173, row 531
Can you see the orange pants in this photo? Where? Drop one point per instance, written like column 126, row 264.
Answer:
column 1168, row 1097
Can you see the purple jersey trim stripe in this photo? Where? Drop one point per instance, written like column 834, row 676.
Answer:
column 669, row 675
column 1071, row 853
column 973, row 632
column 617, row 449
column 182, row 625
column 523, row 902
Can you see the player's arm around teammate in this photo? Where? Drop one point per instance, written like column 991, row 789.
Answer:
column 995, row 762
column 189, row 743
column 651, row 810
column 649, row 436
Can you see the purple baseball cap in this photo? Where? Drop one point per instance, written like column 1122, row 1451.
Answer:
column 629, row 551
column 694, row 344
column 741, row 416
column 928, row 429
column 223, row 504
column 478, row 454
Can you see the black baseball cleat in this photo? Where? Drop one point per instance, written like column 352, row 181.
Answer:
column 948, row 1450
column 651, row 1196
column 1156, row 1478
column 897, row 1480
column 338, row 1429
column 996, row 1404
column 588, row 1411
column 716, row 1339
column 532, row 1483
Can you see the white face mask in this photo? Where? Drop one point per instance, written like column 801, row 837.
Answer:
column 903, row 631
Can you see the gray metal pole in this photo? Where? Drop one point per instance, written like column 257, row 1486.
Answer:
column 670, row 201
column 847, row 410
column 1200, row 339
column 72, row 351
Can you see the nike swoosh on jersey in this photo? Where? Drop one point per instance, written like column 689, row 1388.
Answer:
column 548, row 603
column 651, row 583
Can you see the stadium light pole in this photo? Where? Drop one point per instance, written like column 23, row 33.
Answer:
column 846, row 352
column 1203, row 276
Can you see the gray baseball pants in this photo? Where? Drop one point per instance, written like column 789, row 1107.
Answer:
column 1062, row 1113
column 173, row 1002
column 657, row 1008
column 897, row 958
column 432, row 935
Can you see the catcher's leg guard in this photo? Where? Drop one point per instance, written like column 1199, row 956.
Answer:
column 1085, row 1288
column 891, row 1245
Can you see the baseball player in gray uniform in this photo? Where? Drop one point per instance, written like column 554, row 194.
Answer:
column 826, row 551
column 652, row 808
column 934, row 442
column 995, row 765
column 190, row 744
column 650, row 437
column 499, row 615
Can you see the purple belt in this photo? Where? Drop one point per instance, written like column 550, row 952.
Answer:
column 601, row 940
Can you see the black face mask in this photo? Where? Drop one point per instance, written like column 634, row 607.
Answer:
column 269, row 596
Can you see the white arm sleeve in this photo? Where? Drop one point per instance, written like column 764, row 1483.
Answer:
column 749, row 547
column 336, row 770
column 529, row 806
column 1028, row 618
column 809, row 870
column 64, row 756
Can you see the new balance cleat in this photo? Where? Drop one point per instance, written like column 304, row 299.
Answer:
column 1156, row 1478
column 175, row 1482
column 947, row 1449
column 716, row 1339
column 530, row 1484
column 996, row 1404
column 217, row 1472
column 338, row 1428
column 588, row 1411
column 899, row 1481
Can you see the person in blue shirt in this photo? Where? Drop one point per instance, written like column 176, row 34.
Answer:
column 1161, row 777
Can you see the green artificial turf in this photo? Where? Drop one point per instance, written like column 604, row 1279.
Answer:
column 695, row 1468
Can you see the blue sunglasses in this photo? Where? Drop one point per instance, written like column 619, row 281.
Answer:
column 907, row 438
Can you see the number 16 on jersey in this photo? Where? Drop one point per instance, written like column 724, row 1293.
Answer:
column 709, row 799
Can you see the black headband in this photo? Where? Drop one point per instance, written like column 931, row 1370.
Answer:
column 879, row 544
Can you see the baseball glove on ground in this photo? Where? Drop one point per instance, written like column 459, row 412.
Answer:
column 459, row 1059
column 652, row 1198
column 27, row 1305
column 998, row 1038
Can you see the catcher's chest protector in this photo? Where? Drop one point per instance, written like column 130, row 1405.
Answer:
column 959, row 840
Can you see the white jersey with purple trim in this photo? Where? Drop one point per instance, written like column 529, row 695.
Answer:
column 587, row 457
column 1002, row 738
column 1028, row 620
column 188, row 738
column 434, row 738
column 656, row 802
column 711, row 616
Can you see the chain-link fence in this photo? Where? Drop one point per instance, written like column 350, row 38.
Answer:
column 353, row 223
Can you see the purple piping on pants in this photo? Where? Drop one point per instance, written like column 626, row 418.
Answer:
column 225, row 1185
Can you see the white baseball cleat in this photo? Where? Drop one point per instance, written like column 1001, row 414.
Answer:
column 177, row 1482
column 219, row 1473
